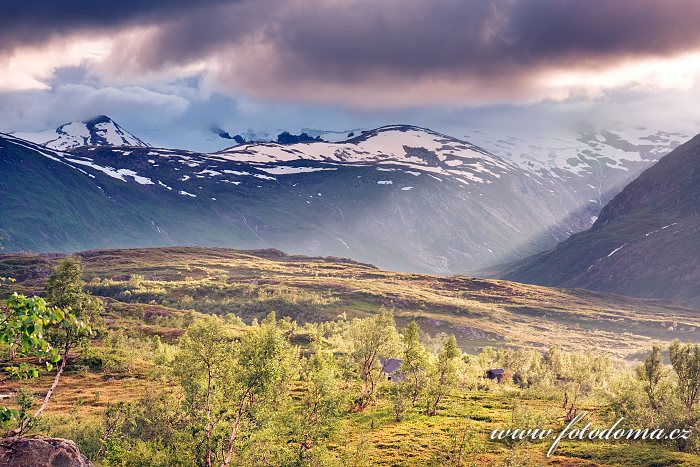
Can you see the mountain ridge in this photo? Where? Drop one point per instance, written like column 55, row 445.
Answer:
column 407, row 210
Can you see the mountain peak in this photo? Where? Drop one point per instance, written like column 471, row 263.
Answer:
column 98, row 119
column 100, row 130
column 410, row 147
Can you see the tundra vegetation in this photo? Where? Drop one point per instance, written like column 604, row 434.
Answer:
column 142, row 382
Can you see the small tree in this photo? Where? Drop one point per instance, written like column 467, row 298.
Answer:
column 685, row 360
column 400, row 393
column 207, row 353
column 650, row 374
column 264, row 365
column 320, row 403
column 370, row 339
column 23, row 322
column 443, row 375
column 415, row 360
column 228, row 380
column 65, row 289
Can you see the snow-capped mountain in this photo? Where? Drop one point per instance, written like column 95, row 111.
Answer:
column 217, row 138
column 98, row 131
column 399, row 196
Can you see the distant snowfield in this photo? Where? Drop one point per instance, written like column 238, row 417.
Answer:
column 393, row 149
column 575, row 153
column 410, row 149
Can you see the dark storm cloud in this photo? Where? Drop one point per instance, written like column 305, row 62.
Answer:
column 477, row 36
column 307, row 48
column 565, row 28
column 25, row 22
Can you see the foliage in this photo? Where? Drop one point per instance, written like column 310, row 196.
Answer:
column 22, row 328
column 650, row 374
column 369, row 340
column 443, row 375
column 65, row 290
column 415, row 361
column 685, row 360
column 26, row 322
column 171, row 386
column 320, row 405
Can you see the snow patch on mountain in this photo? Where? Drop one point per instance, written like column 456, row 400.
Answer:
column 289, row 170
column 390, row 148
column 615, row 250
column 119, row 174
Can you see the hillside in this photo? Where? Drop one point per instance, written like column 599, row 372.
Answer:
column 479, row 312
column 645, row 243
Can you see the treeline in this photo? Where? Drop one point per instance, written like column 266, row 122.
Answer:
column 276, row 392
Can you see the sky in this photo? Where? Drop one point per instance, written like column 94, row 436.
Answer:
column 168, row 70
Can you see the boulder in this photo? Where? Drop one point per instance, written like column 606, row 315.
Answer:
column 41, row 452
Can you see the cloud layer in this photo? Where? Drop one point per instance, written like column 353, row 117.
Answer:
column 365, row 52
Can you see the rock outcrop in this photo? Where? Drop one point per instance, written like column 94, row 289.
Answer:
column 41, row 452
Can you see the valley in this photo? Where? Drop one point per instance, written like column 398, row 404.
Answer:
column 291, row 233
column 117, row 397
column 645, row 243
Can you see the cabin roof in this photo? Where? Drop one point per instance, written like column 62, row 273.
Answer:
column 390, row 365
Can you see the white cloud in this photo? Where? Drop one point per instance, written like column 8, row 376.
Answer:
column 653, row 74
column 32, row 67
column 40, row 109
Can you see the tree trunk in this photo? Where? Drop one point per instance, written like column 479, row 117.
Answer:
column 44, row 404
column 415, row 389
column 207, row 459
column 234, row 430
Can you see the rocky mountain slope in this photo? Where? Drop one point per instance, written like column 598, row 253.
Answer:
column 646, row 241
column 596, row 164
